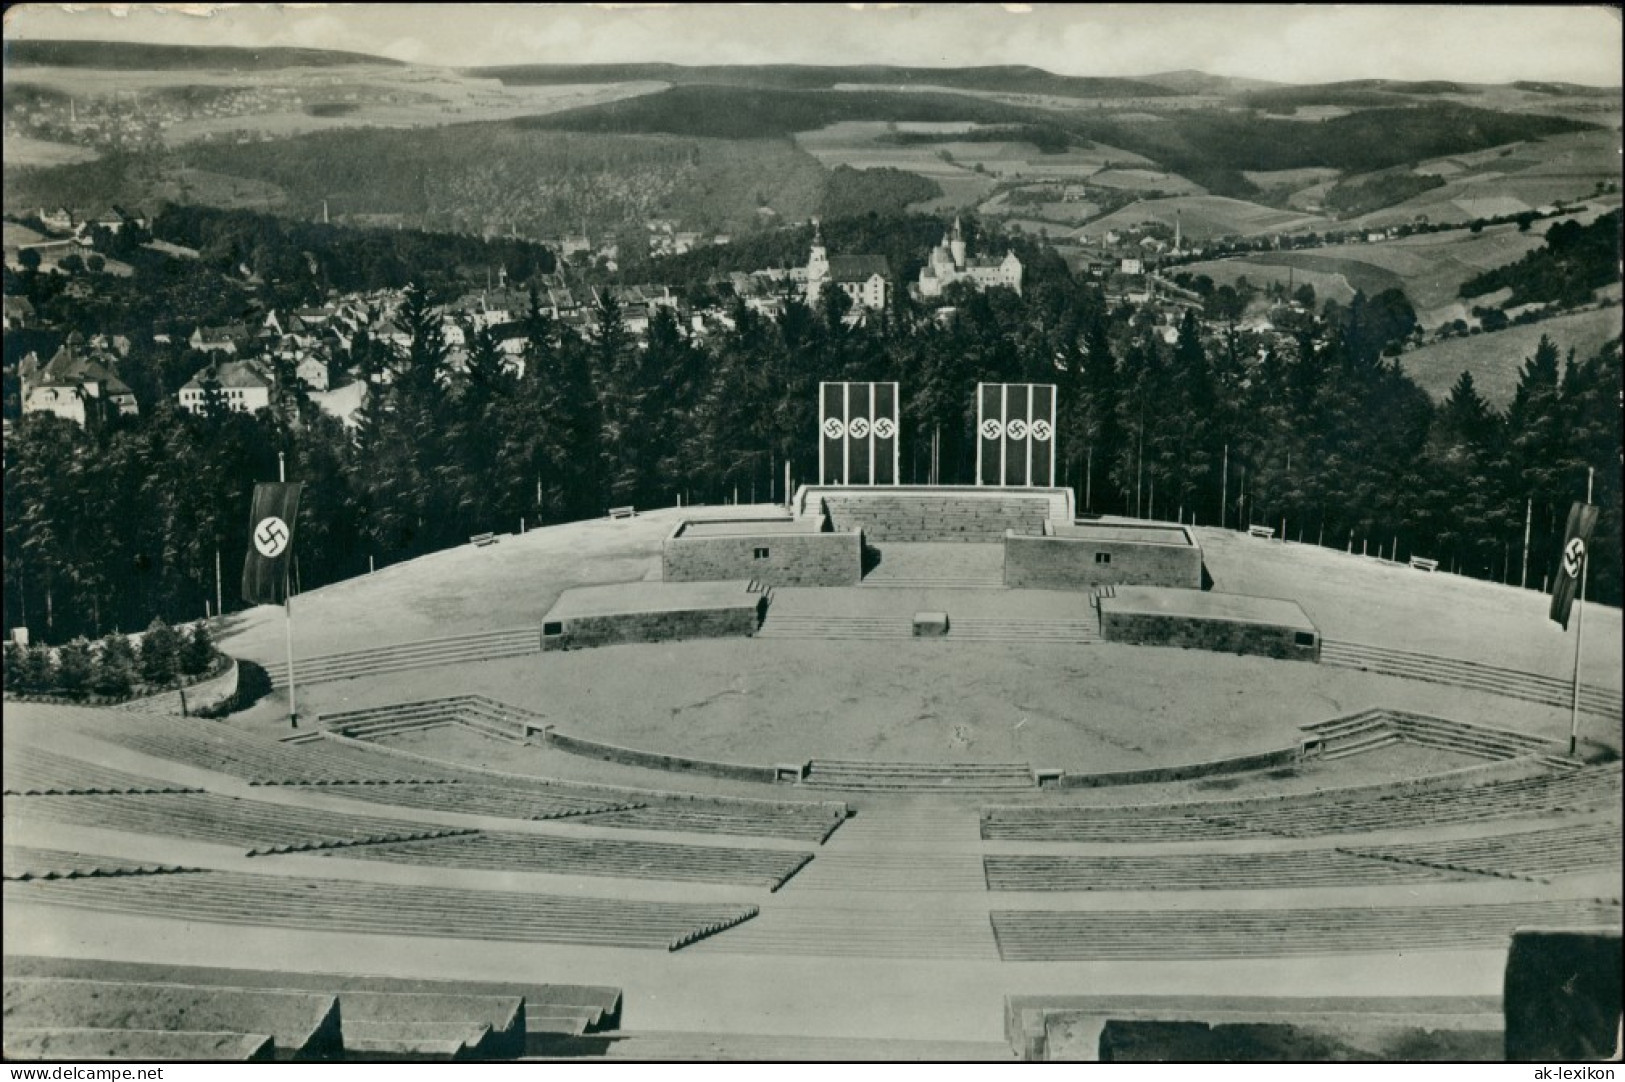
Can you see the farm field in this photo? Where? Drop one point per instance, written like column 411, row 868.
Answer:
column 1328, row 285
column 21, row 150
column 1429, row 267
column 323, row 99
column 1206, row 216
column 1509, row 179
column 1494, row 359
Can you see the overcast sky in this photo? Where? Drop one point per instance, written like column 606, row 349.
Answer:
column 1307, row 44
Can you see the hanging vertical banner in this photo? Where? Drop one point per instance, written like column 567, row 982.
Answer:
column 1015, row 434
column 858, row 433
column 270, row 536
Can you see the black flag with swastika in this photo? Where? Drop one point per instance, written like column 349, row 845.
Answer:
column 1576, row 539
column 1015, row 434
column 270, row 543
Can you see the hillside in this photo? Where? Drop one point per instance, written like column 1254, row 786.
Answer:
column 1005, row 79
column 1494, row 358
column 146, row 56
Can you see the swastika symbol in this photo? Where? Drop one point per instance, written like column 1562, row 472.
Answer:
column 885, row 429
column 1574, row 554
column 1041, row 431
column 992, row 429
column 271, row 536
column 1016, row 429
column 858, row 427
column 833, row 428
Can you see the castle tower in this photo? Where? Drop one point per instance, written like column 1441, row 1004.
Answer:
column 817, row 263
column 956, row 244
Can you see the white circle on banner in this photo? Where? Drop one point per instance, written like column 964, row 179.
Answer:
column 884, row 429
column 271, row 537
column 1016, row 429
column 1041, row 431
column 858, row 427
column 992, row 429
column 1573, row 555
column 833, row 428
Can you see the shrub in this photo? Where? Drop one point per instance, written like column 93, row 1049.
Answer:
column 74, row 667
column 197, row 653
column 160, row 647
column 15, row 663
column 39, row 668
column 114, row 672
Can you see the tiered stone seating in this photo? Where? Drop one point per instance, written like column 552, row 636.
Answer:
column 213, row 745
column 1228, row 871
column 332, row 905
column 1531, row 854
column 1358, row 810
column 1457, row 672
column 136, row 1045
column 302, row 1025
column 666, row 1047
column 723, row 815
column 484, row 715
column 34, row 772
column 259, row 826
column 884, row 517
column 957, row 777
column 1085, row 935
column 398, row 657
column 551, row 1010
column 1372, row 729
column 22, row 862
column 596, row 857
column 501, row 801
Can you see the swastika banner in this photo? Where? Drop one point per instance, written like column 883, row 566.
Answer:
column 1015, row 434
column 1576, row 539
column 858, row 433
column 270, row 543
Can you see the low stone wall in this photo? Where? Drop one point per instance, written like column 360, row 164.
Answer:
column 577, row 632
column 1150, row 775
column 777, row 559
column 1060, row 562
column 613, row 753
column 1207, row 633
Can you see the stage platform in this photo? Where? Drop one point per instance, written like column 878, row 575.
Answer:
column 652, row 612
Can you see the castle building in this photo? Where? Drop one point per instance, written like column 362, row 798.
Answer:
column 948, row 264
column 860, row 277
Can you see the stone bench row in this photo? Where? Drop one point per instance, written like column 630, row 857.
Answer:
column 393, row 909
column 1070, row 935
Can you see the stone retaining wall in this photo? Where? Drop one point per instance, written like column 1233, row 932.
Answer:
column 613, row 753
column 1060, row 562
column 777, row 559
column 1204, row 633
column 663, row 626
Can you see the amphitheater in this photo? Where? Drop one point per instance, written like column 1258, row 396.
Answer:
column 599, row 791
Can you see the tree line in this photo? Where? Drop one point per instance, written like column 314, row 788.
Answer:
column 1323, row 436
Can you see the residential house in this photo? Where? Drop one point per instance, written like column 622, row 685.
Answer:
column 78, row 383
column 242, row 387
column 225, row 339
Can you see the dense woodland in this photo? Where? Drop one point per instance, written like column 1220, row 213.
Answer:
column 110, row 528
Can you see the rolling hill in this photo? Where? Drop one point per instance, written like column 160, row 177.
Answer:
column 146, row 56
column 1495, row 358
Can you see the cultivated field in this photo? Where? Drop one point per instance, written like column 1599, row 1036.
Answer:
column 1429, row 267
column 324, row 99
column 21, row 150
column 1494, row 359
column 1509, row 179
column 1202, row 217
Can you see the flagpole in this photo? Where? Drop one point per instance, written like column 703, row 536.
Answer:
column 1579, row 631
column 287, row 609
